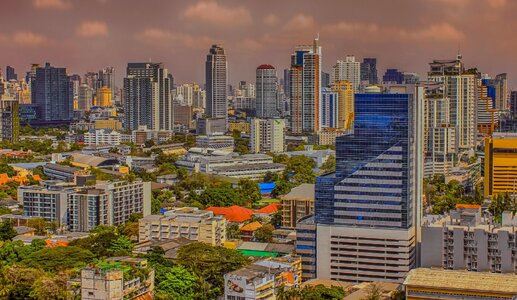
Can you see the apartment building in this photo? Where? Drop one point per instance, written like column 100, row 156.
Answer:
column 48, row 202
column 298, row 203
column 467, row 240
column 185, row 222
column 220, row 142
column 96, row 137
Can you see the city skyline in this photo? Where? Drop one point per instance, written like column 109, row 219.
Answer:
column 89, row 35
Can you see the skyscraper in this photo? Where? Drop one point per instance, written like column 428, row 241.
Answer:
column 10, row 73
column 147, row 97
column 393, row 76
column 305, row 88
column 366, row 212
column 329, row 108
column 266, row 94
column 107, row 79
column 345, row 94
column 460, row 90
column 349, row 70
column 52, row 92
column 84, row 98
column 369, row 70
column 217, row 83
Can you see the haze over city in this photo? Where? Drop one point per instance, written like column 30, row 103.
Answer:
column 87, row 35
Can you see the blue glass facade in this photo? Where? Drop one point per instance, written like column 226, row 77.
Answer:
column 393, row 76
column 374, row 177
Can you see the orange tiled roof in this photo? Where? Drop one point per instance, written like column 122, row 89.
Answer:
column 269, row 209
column 467, row 206
column 233, row 213
column 251, row 226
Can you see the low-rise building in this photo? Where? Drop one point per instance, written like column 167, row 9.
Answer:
column 466, row 240
column 113, row 124
column 69, row 174
column 306, row 246
column 102, row 137
column 328, row 136
column 116, row 279
column 185, row 222
column 253, row 166
column 239, row 126
column 219, row 142
column 298, row 203
column 424, row 283
column 319, row 156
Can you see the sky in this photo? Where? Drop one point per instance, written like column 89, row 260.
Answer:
column 87, row 35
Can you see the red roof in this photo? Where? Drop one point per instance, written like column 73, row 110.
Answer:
column 233, row 213
column 269, row 209
column 261, row 67
column 467, row 206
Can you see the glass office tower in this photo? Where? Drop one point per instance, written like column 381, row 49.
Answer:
column 365, row 212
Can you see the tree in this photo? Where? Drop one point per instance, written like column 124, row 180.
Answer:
column 7, row 231
column 501, row 203
column 209, row 264
column 179, row 284
column 59, row 258
column 373, row 292
column 122, row 246
column 224, row 196
column 264, row 234
column 329, row 165
column 99, row 241
column 276, row 219
column 310, row 292
column 50, row 287
column 249, row 191
column 270, row 177
column 233, row 232
column 39, row 224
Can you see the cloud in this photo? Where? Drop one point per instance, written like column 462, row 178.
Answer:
column 52, row 4
column 91, row 29
column 300, row 22
column 441, row 31
column 271, row 20
column 160, row 36
column 215, row 14
column 496, row 3
column 29, row 39
column 371, row 32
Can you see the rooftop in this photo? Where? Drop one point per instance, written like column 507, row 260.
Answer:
column 304, row 191
column 462, row 280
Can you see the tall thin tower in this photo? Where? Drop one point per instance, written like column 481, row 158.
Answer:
column 217, row 83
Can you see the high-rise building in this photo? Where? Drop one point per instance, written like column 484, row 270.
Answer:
column 329, row 109
column 305, row 88
column 369, row 70
column 266, row 92
column 501, row 164
column 393, row 76
column 104, row 97
column 513, row 104
column 9, row 120
column 345, row 93
column 52, row 92
column 366, row 212
column 440, row 135
column 287, row 87
column 147, row 97
column 325, row 79
column 85, row 98
column 267, row 135
column 107, row 79
column 460, row 88
column 10, row 73
column 349, row 70
column 217, row 83
column 487, row 117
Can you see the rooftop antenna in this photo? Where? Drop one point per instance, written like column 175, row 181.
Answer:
column 458, row 55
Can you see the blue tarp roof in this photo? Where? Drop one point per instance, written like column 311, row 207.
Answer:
column 266, row 187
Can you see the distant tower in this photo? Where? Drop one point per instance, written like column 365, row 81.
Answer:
column 217, row 83
column 52, row 91
column 305, row 88
column 10, row 73
column 266, row 93
column 147, row 97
